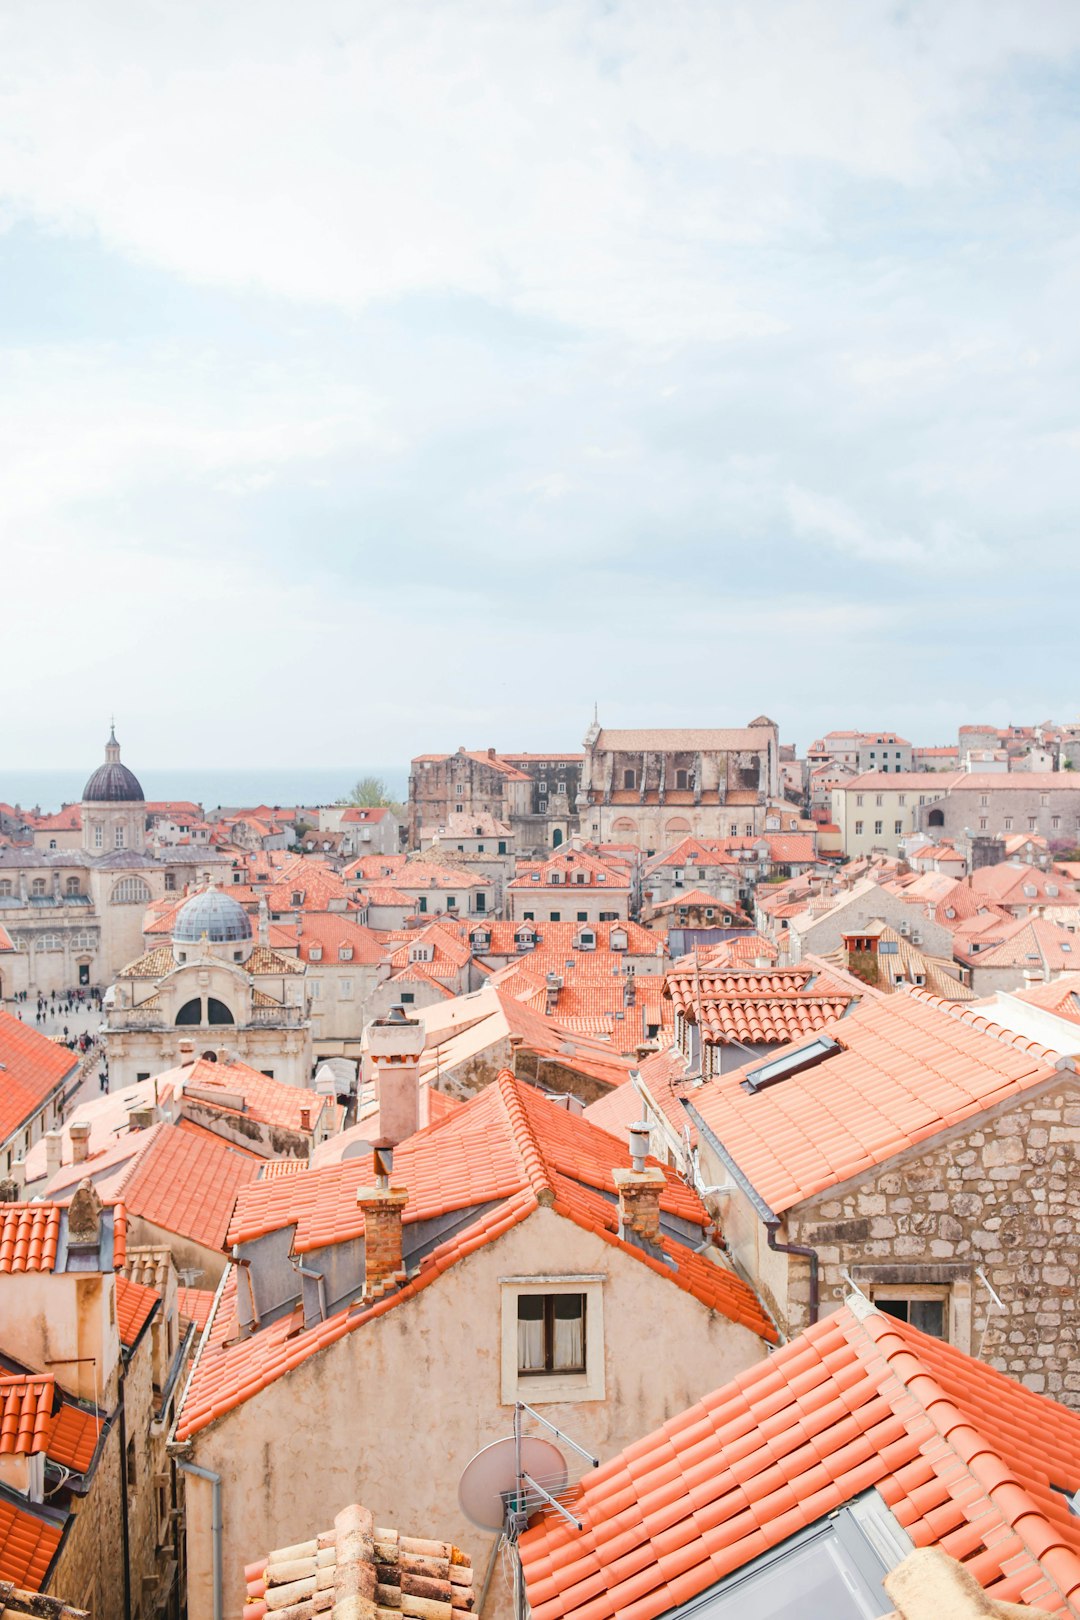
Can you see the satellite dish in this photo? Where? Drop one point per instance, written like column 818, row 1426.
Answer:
column 492, row 1478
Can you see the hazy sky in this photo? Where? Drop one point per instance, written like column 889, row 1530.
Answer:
column 385, row 377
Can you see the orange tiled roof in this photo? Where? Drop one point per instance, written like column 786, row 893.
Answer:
column 28, row 1236
column 767, row 1007
column 508, row 1144
column 268, row 1101
column 32, row 1067
column 135, row 1305
column 907, row 1068
column 1060, row 996
column 28, row 1545
column 186, row 1182
column 74, row 1439
column 26, row 1413
column 194, row 1304
column 965, row 1458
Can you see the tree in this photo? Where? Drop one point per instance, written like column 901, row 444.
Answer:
column 370, row 792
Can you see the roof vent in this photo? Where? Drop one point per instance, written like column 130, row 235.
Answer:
column 789, row 1063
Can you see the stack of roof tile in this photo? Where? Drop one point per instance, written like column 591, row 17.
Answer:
column 357, row 1568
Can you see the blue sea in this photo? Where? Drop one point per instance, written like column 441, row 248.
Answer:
column 272, row 784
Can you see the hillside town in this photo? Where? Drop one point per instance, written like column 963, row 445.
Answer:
column 612, row 1181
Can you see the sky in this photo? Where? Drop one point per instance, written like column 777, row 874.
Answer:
column 378, row 378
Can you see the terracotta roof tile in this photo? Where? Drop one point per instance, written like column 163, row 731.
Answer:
column 194, row 1304
column 75, row 1435
column 26, row 1414
column 135, row 1305
column 907, row 1066
column 965, row 1458
column 186, row 1182
column 351, row 1558
column 28, row 1545
column 31, row 1069
column 29, row 1234
column 768, row 1007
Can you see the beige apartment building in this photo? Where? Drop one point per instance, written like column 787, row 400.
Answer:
column 876, row 812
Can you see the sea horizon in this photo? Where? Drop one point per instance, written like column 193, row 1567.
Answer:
column 212, row 787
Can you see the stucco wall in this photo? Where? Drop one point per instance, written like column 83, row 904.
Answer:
column 390, row 1414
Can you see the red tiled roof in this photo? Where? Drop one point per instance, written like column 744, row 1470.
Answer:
column 268, row 1101
column 907, row 1068
column 135, row 1305
column 510, row 1144
column 1060, row 996
column 74, row 1437
column 31, row 1069
column 194, row 1304
column 28, row 1545
column 767, row 1007
column 28, row 1236
column 334, row 932
column 26, row 1413
column 965, row 1458
column 186, row 1181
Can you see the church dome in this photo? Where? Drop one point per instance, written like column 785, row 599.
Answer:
column 222, row 919
column 113, row 783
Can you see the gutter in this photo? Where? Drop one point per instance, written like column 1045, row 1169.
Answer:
column 768, row 1217
column 215, row 1524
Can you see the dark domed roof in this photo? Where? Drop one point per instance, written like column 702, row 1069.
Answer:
column 215, row 914
column 113, row 783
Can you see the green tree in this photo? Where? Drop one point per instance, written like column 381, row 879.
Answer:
column 371, row 792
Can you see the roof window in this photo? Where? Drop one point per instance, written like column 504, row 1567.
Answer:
column 789, row 1063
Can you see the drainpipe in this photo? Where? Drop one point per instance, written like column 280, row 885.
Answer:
column 215, row 1524
column 124, row 1531
column 804, row 1253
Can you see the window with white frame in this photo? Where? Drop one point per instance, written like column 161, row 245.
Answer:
column 552, row 1338
column 345, row 989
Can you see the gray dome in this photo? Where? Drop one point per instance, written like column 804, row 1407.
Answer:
column 217, row 915
column 113, row 783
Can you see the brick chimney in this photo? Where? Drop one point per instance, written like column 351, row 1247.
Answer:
column 382, row 1206
column 395, row 1046
column 79, row 1131
column 639, row 1189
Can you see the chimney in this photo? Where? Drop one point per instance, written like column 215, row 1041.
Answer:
column 141, row 1118
column 305, row 1119
column 54, row 1151
column 84, row 1218
column 639, row 1189
column 187, row 1053
column 395, row 1046
column 264, row 921
column 382, row 1206
column 79, row 1131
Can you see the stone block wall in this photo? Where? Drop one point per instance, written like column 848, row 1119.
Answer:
column 1004, row 1197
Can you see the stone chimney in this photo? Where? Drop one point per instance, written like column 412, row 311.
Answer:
column 141, row 1118
column 54, row 1151
column 395, row 1046
column 187, row 1053
column 79, row 1131
column 84, row 1217
column 639, row 1189
column 382, row 1206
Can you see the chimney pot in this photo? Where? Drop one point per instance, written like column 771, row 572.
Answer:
column 79, row 1132
column 639, row 1143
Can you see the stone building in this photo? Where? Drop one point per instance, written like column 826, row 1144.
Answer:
column 74, row 915
column 919, row 1152
column 536, row 795
column 1045, row 803
column 215, row 984
column 516, row 1256
column 652, row 788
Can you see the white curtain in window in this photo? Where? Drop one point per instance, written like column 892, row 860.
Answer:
column 531, row 1334
column 569, row 1344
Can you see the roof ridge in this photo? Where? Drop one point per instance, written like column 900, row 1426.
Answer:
column 986, row 1026
column 954, row 1428
column 540, row 1175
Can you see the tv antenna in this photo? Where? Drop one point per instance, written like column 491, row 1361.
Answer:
column 507, row 1481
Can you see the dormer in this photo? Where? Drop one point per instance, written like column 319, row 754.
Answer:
column 297, row 897
column 422, row 952
column 618, row 939
column 556, row 877
column 585, row 940
column 315, row 953
column 345, row 953
column 480, row 939
column 525, row 938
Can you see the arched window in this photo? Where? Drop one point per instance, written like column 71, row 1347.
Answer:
column 73, row 885
column 218, row 1013
column 50, row 942
column 131, row 891
column 38, row 886
column 677, row 827
column 82, row 941
column 936, row 818
column 190, row 1012
column 556, row 838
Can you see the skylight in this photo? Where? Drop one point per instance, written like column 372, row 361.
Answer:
column 786, row 1064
